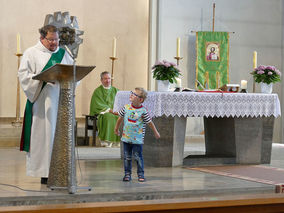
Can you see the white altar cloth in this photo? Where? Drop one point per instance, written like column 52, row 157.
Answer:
column 202, row 104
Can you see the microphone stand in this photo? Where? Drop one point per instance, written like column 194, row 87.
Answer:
column 72, row 188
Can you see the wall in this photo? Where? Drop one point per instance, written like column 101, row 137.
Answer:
column 257, row 25
column 126, row 20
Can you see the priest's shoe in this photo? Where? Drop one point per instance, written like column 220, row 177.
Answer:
column 43, row 180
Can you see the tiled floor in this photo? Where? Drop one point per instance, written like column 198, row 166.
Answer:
column 102, row 169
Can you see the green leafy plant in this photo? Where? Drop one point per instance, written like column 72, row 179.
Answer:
column 266, row 74
column 164, row 70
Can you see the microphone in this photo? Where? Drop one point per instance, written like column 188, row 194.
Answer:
column 68, row 51
column 199, row 84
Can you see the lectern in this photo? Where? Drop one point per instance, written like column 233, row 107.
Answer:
column 62, row 171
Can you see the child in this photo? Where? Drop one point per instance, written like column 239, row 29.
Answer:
column 135, row 117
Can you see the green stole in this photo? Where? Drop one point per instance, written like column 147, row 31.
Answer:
column 28, row 116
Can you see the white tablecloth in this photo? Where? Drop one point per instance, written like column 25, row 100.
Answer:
column 201, row 104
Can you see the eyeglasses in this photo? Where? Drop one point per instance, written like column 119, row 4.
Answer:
column 133, row 93
column 52, row 40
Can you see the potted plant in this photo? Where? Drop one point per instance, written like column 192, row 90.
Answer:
column 165, row 72
column 266, row 76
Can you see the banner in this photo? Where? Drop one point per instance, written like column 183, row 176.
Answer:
column 212, row 59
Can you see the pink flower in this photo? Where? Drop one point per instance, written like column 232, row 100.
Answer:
column 278, row 72
column 271, row 68
column 167, row 64
column 260, row 72
column 261, row 67
column 266, row 74
column 157, row 64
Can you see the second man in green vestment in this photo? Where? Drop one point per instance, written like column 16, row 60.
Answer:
column 102, row 104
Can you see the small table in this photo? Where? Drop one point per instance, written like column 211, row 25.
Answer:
column 238, row 126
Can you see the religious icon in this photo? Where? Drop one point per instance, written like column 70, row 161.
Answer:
column 212, row 51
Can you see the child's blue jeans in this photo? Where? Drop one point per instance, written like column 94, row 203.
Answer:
column 136, row 150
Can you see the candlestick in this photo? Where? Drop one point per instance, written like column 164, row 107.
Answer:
column 112, row 68
column 178, row 47
column 178, row 59
column 18, row 122
column 254, row 66
column 114, row 48
column 18, row 43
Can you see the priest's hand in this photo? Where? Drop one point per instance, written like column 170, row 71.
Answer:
column 112, row 112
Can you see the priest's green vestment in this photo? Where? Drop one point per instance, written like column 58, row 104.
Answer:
column 102, row 100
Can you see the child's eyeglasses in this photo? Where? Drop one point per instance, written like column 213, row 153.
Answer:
column 133, row 93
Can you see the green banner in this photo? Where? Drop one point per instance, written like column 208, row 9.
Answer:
column 212, row 59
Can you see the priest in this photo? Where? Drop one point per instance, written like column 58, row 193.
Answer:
column 42, row 101
column 102, row 104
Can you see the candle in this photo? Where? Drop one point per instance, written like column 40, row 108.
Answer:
column 254, row 59
column 244, row 84
column 114, row 48
column 178, row 47
column 18, row 43
column 178, row 84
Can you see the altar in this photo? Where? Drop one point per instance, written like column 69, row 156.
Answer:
column 238, row 126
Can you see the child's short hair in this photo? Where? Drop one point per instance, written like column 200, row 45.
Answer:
column 143, row 93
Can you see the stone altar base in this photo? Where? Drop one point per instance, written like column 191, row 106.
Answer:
column 227, row 141
column 168, row 150
column 236, row 141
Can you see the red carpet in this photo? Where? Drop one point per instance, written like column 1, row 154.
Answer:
column 257, row 173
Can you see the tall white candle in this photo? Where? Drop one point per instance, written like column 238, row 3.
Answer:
column 178, row 47
column 114, row 48
column 254, row 59
column 18, row 43
column 244, row 84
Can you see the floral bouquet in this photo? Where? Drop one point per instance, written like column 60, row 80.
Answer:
column 164, row 70
column 266, row 74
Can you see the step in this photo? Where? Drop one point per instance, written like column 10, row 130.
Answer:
column 205, row 160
